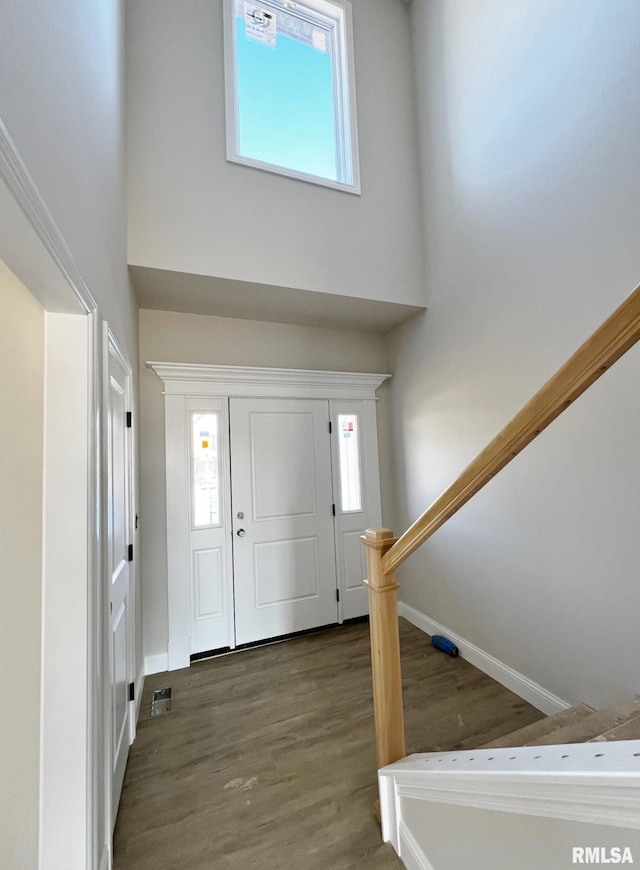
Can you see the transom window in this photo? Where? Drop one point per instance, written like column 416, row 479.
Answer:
column 290, row 89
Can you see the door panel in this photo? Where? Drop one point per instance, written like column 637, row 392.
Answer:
column 118, row 531
column 353, row 553
column 207, row 574
column 284, row 559
column 286, row 571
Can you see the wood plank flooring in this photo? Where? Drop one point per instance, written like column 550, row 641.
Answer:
column 267, row 759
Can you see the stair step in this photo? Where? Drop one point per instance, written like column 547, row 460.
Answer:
column 526, row 736
column 591, row 726
column 629, row 730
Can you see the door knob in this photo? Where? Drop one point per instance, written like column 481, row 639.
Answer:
column 240, row 533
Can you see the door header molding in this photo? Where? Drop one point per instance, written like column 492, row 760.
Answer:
column 185, row 379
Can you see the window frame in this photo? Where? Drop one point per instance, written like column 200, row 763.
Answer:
column 343, row 468
column 193, row 526
column 344, row 93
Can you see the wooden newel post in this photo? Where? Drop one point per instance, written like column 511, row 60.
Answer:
column 385, row 649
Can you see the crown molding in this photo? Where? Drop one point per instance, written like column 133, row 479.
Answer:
column 22, row 187
column 185, row 379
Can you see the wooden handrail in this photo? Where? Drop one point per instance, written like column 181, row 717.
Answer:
column 607, row 344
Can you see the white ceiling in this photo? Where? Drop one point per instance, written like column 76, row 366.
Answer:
column 203, row 294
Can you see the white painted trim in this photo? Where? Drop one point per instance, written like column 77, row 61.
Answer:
column 156, row 664
column 97, row 613
column 591, row 783
column 526, row 688
column 389, row 811
column 410, row 851
column 344, row 91
column 64, row 772
column 185, row 379
column 22, row 187
column 354, row 602
column 139, row 689
column 179, row 653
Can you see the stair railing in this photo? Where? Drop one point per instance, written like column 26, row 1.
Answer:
column 385, row 553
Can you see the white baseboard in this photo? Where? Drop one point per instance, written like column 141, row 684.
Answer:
column 104, row 859
column 155, row 664
column 179, row 653
column 531, row 692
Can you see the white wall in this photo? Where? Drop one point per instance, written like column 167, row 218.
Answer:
column 21, row 452
column 191, row 211
column 62, row 62
column 61, row 105
column 529, row 115
column 192, row 338
column 498, row 839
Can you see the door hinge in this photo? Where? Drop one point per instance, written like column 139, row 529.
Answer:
column 128, row 419
column 337, row 595
column 132, row 691
column 130, row 553
column 330, row 429
column 333, row 509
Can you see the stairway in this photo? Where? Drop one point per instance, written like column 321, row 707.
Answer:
column 579, row 724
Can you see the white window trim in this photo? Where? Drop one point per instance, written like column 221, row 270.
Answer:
column 347, row 86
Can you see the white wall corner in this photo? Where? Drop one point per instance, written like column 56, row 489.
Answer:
column 529, row 691
column 156, row 664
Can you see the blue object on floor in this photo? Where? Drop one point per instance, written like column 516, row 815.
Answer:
column 447, row 646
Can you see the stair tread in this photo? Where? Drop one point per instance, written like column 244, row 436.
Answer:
column 629, row 730
column 596, row 723
column 525, row 736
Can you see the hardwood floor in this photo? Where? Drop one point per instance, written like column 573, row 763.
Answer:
column 267, row 758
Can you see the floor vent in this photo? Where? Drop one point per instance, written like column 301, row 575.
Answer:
column 161, row 702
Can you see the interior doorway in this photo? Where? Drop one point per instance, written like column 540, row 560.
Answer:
column 119, row 545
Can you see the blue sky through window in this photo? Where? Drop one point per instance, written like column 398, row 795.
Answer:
column 285, row 100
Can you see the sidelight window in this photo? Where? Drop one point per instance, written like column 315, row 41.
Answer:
column 349, row 453
column 205, row 469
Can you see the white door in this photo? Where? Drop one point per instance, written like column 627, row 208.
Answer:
column 119, row 559
column 284, row 551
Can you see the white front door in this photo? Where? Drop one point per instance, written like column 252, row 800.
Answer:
column 283, row 537
column 119, row 560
